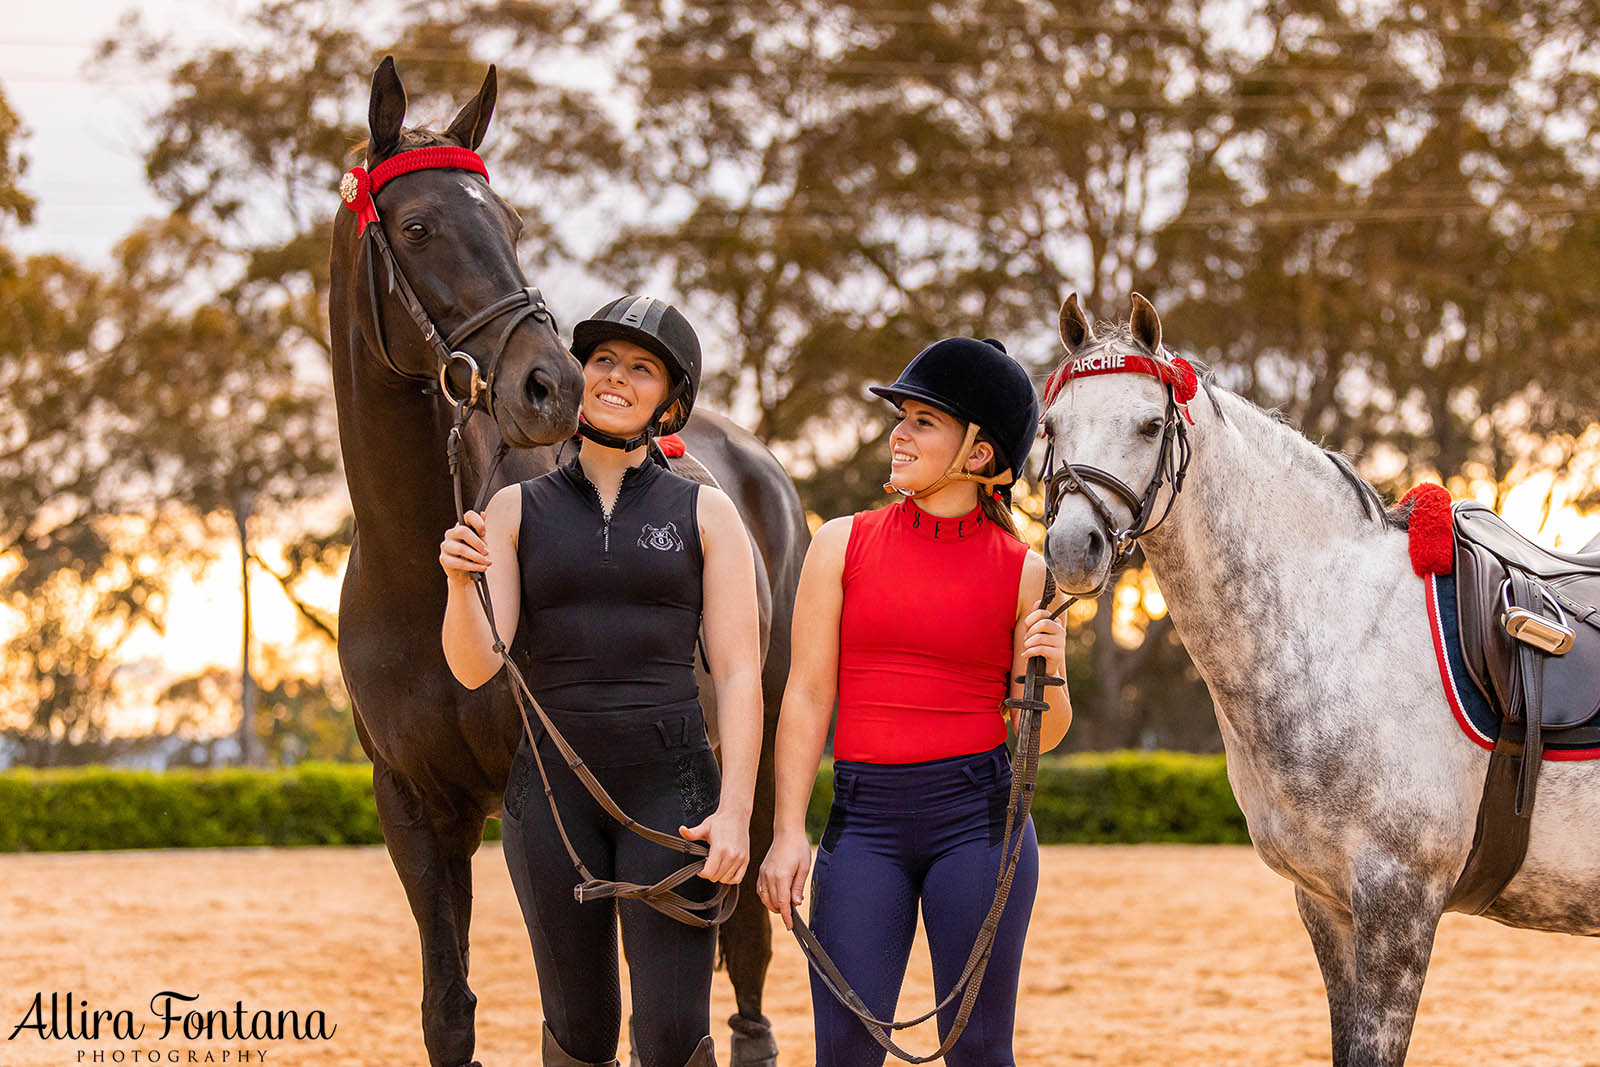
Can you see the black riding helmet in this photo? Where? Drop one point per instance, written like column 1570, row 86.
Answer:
column 655, row 326
column 975, row 381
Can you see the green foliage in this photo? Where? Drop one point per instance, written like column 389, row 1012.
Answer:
column 1109, row 798
column 98, row 808
column 15, row 203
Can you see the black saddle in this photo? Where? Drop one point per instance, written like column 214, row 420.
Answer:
column 1530, row 633
column 1561, row 591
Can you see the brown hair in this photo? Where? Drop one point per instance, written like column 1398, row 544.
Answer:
column 996, row 511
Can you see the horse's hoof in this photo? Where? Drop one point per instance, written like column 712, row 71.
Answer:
column 753, row 1043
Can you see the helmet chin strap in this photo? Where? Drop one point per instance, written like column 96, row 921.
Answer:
column 955, row 473
column 628, row 444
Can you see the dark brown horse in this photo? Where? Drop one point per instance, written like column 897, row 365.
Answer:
column 441, row 753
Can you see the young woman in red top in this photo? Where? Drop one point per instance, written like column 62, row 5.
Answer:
column 916, row 617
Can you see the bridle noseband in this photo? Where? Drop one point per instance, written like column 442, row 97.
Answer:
column 357, row 189
column 1172, row 461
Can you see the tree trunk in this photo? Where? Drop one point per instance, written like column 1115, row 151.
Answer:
column 249, row 694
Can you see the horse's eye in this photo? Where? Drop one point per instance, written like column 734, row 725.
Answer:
column 1152, row 427
column 416, row 231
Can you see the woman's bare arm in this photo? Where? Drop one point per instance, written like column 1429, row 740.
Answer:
column 486, row 543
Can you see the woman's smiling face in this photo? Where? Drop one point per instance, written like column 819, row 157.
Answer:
column 922, row 444
column 623, row 384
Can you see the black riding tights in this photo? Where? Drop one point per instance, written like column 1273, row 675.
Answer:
column 659, row 768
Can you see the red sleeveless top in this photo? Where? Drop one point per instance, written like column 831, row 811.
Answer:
column 925, row 635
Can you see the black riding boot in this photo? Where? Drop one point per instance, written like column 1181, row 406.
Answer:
column 705, row 1054
column 556, row 1056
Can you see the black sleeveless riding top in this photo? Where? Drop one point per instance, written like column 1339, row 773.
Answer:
column 610, row 603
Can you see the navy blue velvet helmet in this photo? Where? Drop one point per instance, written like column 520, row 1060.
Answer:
column 977, row 382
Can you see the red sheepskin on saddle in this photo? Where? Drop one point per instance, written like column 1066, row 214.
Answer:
column 1432, row 530
column 671, row 445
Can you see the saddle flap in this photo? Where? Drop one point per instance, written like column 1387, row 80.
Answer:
column 1572, row 680
column 1485, row 646
column 1485, row 547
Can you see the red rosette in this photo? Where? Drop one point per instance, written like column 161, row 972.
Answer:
column 355, row 191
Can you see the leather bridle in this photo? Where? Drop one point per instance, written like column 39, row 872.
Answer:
column 356, row 189
column 1172, row 460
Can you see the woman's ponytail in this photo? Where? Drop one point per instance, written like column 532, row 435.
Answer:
column 995, row 508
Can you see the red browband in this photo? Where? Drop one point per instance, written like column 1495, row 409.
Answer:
column 1177, row 374
column 358, row 186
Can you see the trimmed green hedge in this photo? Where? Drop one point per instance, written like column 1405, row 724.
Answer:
column 1090, row 798
column 100, row 808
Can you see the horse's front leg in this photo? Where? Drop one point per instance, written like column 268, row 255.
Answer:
column 745, row 939
column 1332, row 930
column 1395, row 911
column 432, row 853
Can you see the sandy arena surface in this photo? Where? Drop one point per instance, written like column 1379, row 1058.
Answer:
column 1159, row 955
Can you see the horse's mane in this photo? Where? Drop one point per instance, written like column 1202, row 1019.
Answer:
column 1367, row 495
column 1372, row 506
column 411, row 137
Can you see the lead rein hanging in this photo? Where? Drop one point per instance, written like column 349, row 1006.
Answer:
column 1029, row 707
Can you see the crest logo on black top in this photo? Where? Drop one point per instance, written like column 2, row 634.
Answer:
column 662, row 538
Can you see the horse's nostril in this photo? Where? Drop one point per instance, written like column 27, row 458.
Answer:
column 538, row 392
column 1096, row 544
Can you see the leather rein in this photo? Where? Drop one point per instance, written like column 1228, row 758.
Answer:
column 357, row 189
column 1029, row 707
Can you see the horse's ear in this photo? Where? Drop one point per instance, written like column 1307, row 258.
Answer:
column 1145, row 324
column 472, row 122
column 386, row 113
column 1075, row 328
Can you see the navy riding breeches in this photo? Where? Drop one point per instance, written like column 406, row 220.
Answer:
column 897, row 834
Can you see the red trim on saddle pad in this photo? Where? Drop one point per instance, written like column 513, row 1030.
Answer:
column 671, row 445
column 1430, row 585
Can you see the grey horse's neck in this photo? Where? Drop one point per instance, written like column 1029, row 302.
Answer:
column 1272, row 566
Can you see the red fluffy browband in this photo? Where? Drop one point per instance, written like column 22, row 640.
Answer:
column 1432, row 530
column 671, row 445
column 358, row 185
column 1178, row 374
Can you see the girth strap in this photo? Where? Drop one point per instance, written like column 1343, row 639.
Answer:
column 1505, row 814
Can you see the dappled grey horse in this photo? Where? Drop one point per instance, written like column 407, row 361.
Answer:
column 441, row 753
column 1296, row 598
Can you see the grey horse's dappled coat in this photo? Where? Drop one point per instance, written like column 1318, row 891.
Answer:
column 1299, row 606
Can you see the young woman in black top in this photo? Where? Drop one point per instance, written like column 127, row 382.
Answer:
column 609, row 565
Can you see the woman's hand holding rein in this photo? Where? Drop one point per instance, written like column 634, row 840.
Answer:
column 482, row 544
column 464, row 550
